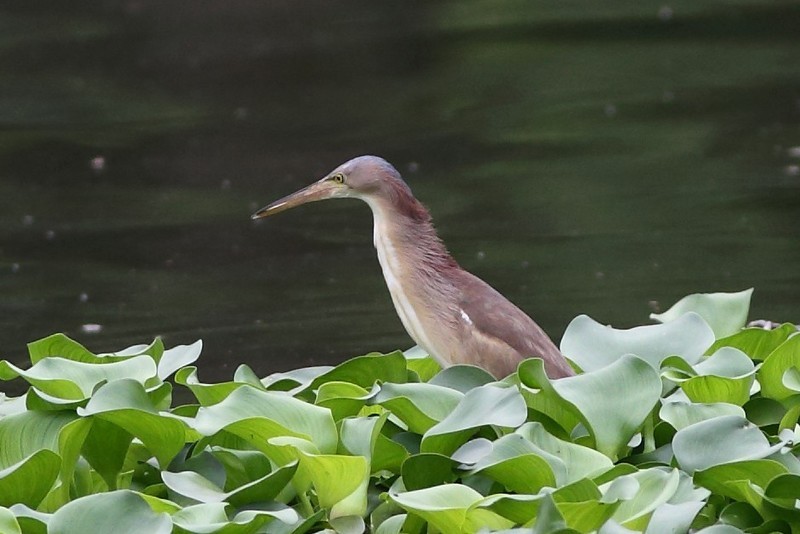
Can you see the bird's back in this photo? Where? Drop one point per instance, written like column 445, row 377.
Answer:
column 500, row 334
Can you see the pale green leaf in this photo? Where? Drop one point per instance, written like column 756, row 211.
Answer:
column 720, row 440
column 726, row 313
column 109, row 513
column 485, row 405
column 593, row 346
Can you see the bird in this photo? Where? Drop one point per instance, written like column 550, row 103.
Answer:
column 453, row 315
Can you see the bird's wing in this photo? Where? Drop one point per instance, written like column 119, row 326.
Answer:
column 496, row 317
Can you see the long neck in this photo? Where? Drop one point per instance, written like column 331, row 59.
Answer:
column 415, row 264
column 405, row 238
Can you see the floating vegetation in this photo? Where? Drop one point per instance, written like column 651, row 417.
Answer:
column 682, row 425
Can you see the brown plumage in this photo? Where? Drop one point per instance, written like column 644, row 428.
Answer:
column 452, row 314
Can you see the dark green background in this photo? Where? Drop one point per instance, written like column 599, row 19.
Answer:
column 583, row 157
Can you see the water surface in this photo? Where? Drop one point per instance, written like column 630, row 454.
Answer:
column 581, row 159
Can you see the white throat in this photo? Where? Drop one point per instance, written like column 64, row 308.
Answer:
column 392, row 267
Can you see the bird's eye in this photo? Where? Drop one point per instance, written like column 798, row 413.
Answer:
column 338, row 178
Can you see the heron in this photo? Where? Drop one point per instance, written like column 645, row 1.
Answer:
column 450, row 313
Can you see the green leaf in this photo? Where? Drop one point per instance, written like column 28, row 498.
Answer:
column 612, row 420
column 179, row 356
column 206, row 394
column 725, row 376
column 24, row 434
column 419, row 406
column 484, row 405
column 30, row 480
column 462, row 378
column 365, row 370
column 450, row 508
column 213, row 517
column 125, row 404
column 725, row 313
column 682, row 414
column 8, row 523
column 340, row 482
column 109, row 513
column 655, row 487
column 720, row 440
column 343, row 399
column 199, row 489
column 593, row 346
column 427, row 470
column 579, row 461
column 519, row 465
column 721, row 478
column 756, row 342
column 73, row 380
column 257, row 416
column 771, row 373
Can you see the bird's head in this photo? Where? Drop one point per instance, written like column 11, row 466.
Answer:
column 364, row 177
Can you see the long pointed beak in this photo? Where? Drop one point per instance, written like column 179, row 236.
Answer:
column 317, row 191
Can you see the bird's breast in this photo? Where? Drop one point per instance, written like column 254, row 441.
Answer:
column 398, row 267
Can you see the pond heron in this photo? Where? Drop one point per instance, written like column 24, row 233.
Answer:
column 452, row 314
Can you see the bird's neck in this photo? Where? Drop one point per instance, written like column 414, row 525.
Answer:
column 414, row 261
column 406, row 240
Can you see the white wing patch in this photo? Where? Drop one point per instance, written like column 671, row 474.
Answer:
column 465, row 317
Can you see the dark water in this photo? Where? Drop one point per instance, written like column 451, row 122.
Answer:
column 582, row 158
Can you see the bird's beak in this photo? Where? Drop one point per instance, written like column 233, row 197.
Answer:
column 317, row 191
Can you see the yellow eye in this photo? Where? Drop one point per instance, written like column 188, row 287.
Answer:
column 338, row 178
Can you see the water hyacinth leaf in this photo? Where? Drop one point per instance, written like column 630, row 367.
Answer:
column 593, row 346
column 420, row 406
column 757, row 343
column 30, row 480
column 421, row 363
column 117, row 511
column 655, row 487
column 683, row 414
column 68, row 379
column 670, row 518
column 725, row 313
column 520, row 509
column 31, row 521
column 771, row 373
column 178, row 356
column 426, row 470
column 361, row 436
column 105, row 449
column 725, row 376
column 213, row 517
column 125, row 403
column 392, row 525
column 350, row 524
column 340, row 482
column 720, row 440
column 711, row 389
column 258, row 416
column 295, row 381
column 8, row 523
column 579, row 462
column 365, row 370
column 721, row 479
column 611, row 420
column 485, row 405
column 462, row 378
column 21, row 435
column 61, row 346
column 520, row 466
column 206, row 394
column 343, row 399
column 450, row 509
column 740, row 514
